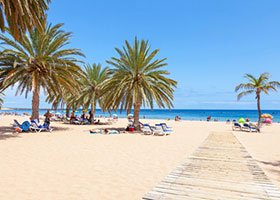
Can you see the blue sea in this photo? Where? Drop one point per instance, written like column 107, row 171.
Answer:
column 185, row 114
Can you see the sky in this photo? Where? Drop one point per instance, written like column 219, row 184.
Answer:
column 209, row 44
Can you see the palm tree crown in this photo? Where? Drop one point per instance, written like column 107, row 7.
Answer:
column 138, row 80
column 92, row 85
column 257, row 86
column 39, row 60
column 22, row 15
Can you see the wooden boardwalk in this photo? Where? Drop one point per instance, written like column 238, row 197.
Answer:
column 220, row 169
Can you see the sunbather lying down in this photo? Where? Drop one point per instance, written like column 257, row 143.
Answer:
column 105, row 131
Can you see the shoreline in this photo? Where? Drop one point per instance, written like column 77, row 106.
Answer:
column 141, row 119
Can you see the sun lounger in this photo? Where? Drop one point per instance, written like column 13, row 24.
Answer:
column 245, row 127
column 236, row 126
column 166, row 128
column 113, row 131
column 96, row 131
column 39, row 128
column 16, row 123
column 158, row 131
column 249, row 128
column 147, row 129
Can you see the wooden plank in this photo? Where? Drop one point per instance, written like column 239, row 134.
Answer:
column 220, row 168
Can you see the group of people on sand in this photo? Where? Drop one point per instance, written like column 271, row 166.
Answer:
column 85, row 118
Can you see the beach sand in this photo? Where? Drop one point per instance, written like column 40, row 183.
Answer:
column 70, row 163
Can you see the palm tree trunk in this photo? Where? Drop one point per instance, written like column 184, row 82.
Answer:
column 259, row 109
column 67, row 111
column 36, row 97
column 136, row 124
column 92, row 111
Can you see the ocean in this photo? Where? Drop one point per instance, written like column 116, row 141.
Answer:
column 185, row 114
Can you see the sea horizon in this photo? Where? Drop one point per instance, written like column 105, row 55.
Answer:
column 185, row 114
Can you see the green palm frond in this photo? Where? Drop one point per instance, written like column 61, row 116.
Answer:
column 257, row 85
column 22, row 15
column 138, row 78
column 43, row 55
column 242, row 94
column 92, row 85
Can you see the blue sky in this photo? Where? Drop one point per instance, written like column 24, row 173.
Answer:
column 210, row 44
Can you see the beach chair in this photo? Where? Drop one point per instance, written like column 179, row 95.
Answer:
column 236, row 126
column 16, row 124
column 147, row 129
column 249, row 128
column 167, row 130
column 39, row 128
column 165, row 127
column 158, row 130
column 113, row 131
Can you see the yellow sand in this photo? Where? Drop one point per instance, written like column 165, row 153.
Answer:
column 71, row 164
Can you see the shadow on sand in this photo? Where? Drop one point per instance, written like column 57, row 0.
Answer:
column 55, row 128
column 7, row 132
column 274, row 164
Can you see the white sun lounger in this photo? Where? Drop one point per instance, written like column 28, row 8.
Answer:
column 35, row 127
column 147, row 129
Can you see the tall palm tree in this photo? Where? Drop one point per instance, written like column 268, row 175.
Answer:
column 39, row 61
column 92, row 86
column 22, row 15
column 138, row 80
column 257, row 85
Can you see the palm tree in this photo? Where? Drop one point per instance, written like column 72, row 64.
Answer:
column 92, row 86
column 257, row 85
column 1, row 99
column 22, row 15
column 39, row 60
column 138, row 80
column 64, row 97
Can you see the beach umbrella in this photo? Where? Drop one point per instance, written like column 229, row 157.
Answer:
column 269, row 116
column 241, row 120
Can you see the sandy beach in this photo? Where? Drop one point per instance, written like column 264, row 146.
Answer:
column 70, row 163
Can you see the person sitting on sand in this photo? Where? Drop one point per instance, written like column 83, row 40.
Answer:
column 90, row 119
column 177, row 118
column 72, row 117
column 83, row 116
column 47, row 120
column 106, row 131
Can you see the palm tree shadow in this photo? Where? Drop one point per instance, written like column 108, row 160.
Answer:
column 273, row 168
column 59, row 128
column 7, row 132
column 274, row 164
column 56, row 128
